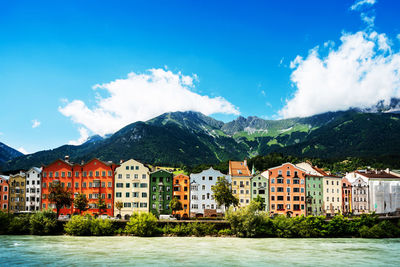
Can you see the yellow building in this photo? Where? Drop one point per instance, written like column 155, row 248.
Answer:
column 17, row 184
column 332, row 193
column 241, row 181
column 131, row 188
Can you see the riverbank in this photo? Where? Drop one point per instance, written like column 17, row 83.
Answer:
column 243, row 223
column 199, row 251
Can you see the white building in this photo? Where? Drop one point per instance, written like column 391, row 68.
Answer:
column 33, row 189
column 383, row 189
column 131, row 188
column 201, row 195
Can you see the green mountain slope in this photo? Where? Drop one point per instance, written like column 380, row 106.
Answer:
column 191, row 138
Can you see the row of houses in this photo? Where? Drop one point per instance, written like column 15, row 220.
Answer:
column 289, row 189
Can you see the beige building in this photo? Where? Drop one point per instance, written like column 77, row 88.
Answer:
column 132, row 181
column 332, row 193
column 241, row 181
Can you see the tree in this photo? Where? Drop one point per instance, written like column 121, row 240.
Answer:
column 59, row 196
column 81, row 203
column 259, row 201
column 119, row 206
column 223, row 193
column 102, row 206
column 175, row 205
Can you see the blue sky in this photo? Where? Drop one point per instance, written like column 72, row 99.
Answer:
column 52, row 53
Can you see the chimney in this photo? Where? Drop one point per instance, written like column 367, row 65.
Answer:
column 245, row 162
column 82, row 162
column 121, row 161
column 66, row 158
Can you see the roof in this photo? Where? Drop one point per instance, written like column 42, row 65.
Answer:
column 238, row 168
column 280, row 166
column 5, row 177
column 377, row 174
column 320, row 171
column 36, row 169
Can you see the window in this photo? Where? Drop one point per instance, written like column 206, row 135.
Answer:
column 127, row 204
column 119, row 185
column 103, row 173
column 109, row 184
column 84, row 174
column 119, row 176
column 280, row 198
column 62, row 174
column 288, row 206
column 84, row 185
column 287, row 173
column 288, row 181
column 127, row 185
column 118, row 194
column 203, row 187
column 109, row 173
column 280, row 172
column 288, row 198
column 69, row 174
column 272, row 181
column 279, row 189
column 296, row 198
column 288, row 189
column 127, row 194
column 279, row 181
column 127, row 167
column 136, row 176
column 109, row 196
column 76, row 174
column 272, row 189
column 296, row 190
column 143, row 176
column 90, row 174
column 143, row 185
column 128, row 176
column 144, row 194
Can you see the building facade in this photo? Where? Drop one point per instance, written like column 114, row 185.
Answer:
column 160, row 192
column 346, row 196
column 332, row 191
column 95, row 179
column 181, row 190
column 314, row 196
column 4, row 192
column 33, row 189
column 132, row 183
column 383, row 189
column 287, row 190
column 360, row 196
column 241, row 181
column 259, row 187
column 202, row 202
column 17, row 186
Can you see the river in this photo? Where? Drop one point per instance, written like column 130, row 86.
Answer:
column 196, row 251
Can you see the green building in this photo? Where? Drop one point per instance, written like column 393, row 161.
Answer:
column 314, row 195
column 259, row 187
column 160, row 192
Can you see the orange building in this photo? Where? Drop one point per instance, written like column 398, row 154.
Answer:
column 287, row 190
column 181, row 185
column 95, row 179
column 4, row 193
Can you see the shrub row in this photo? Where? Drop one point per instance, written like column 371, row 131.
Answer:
column 250, row 222
column 40, row 223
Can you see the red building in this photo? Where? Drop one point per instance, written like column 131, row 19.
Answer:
column 287, row 190
column 4, row 193
column 95, row 179
column 346, row 196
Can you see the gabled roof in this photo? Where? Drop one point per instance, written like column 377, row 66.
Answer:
column 36, row 169
column 238, row 168
column 280, row 166
column 377, row 174
column 320, row 171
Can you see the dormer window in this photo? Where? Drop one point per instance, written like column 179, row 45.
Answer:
column 239, row 172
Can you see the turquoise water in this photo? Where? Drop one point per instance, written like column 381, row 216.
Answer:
column 192, row 251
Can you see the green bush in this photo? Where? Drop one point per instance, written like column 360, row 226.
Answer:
column 250, row 222
column 102, row 227
column 225, row 232
column 19, row 225
column 310, row 226
column 4, row 223
column 202, row 229
column 43, row 223
column 142, row 224
column 79, row 225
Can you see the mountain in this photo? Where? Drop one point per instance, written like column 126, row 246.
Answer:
column 7, row 153
column 191, row 138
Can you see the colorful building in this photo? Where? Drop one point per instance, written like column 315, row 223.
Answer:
column 181, row 190
column 33, row 189
column 4, row 192
column 160, row 192
column 332, row 192
column 383, row 190
column 95, row 179
column 346, row 196
column 259, row 187
column 202, row 202
column 314, row 196
column 17, row 185
column 241, row 178
column 132, row 183
column 287, row 190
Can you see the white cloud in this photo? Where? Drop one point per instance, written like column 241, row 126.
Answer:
column 22, row 150
column 398, row 36
column 142, row 96
column 360, row 3
column 363, row 70
column 35, row 123
column 84, row 135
